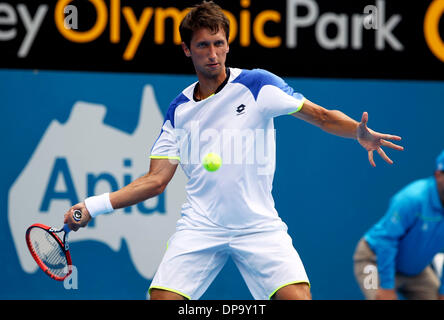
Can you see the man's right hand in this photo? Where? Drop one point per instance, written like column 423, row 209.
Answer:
column 72, row 223
column 386, row 294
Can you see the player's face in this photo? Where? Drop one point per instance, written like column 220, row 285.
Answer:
column 439, row 176
column 208, row 51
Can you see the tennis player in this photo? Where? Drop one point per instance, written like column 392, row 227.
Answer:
column 229, row 212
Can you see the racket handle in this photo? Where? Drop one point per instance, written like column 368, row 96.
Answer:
column 66, row 228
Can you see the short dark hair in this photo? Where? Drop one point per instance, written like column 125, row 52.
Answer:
column 204, row 15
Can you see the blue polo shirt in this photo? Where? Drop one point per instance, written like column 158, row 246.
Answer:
column 411, row 232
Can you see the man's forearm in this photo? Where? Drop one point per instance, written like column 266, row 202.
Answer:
column 137, row 191
column 340, row 124
column 331, row 121
column 141, row 189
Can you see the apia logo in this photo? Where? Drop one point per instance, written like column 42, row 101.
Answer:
column 70, row 164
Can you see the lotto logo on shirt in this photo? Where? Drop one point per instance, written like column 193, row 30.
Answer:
column 241, row 109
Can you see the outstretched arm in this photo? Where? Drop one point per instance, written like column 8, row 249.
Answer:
column 150, row 185
column 338, row 123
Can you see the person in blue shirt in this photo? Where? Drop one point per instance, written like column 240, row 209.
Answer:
column 395, row 255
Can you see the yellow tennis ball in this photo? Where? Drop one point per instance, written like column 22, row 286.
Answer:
column 211, row 162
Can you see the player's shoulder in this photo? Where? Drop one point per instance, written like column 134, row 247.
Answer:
column 415, row 192
column 179, row 100
column 261, row 76
column 256, row 79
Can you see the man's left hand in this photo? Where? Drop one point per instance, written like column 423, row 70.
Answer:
column 371, row 141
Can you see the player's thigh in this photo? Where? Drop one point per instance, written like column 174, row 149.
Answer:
column 295, row 291
column 161, row 294
column 268, row 262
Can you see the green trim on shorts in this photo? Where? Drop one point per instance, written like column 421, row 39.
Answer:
column 168, row 289
column 299, row 107
column 287, row 284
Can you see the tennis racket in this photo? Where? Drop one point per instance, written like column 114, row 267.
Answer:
column 50, row 251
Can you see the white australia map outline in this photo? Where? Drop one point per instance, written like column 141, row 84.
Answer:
column 95, row 149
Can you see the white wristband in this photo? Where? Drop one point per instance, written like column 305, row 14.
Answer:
column 98, row 205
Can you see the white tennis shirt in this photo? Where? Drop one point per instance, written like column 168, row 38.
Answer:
column 237, row 124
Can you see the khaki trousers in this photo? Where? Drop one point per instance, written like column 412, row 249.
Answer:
column 423, row 286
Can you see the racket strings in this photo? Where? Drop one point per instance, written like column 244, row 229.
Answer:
column 49, row 251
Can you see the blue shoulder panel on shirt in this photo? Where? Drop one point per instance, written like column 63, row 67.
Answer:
column 255, row 79
column 180, row 99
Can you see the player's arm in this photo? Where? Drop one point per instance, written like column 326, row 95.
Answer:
column 384, row 238
column 331, row 121
column 338, row 123
column 148, row 186
column 386, row 294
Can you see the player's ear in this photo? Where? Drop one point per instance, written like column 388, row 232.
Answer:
column 186, row 50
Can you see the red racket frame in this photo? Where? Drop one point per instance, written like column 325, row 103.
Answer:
column 37, row 258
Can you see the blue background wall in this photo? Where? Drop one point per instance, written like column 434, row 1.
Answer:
column 324, row 187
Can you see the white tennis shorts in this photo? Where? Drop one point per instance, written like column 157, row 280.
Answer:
column 266, row 260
